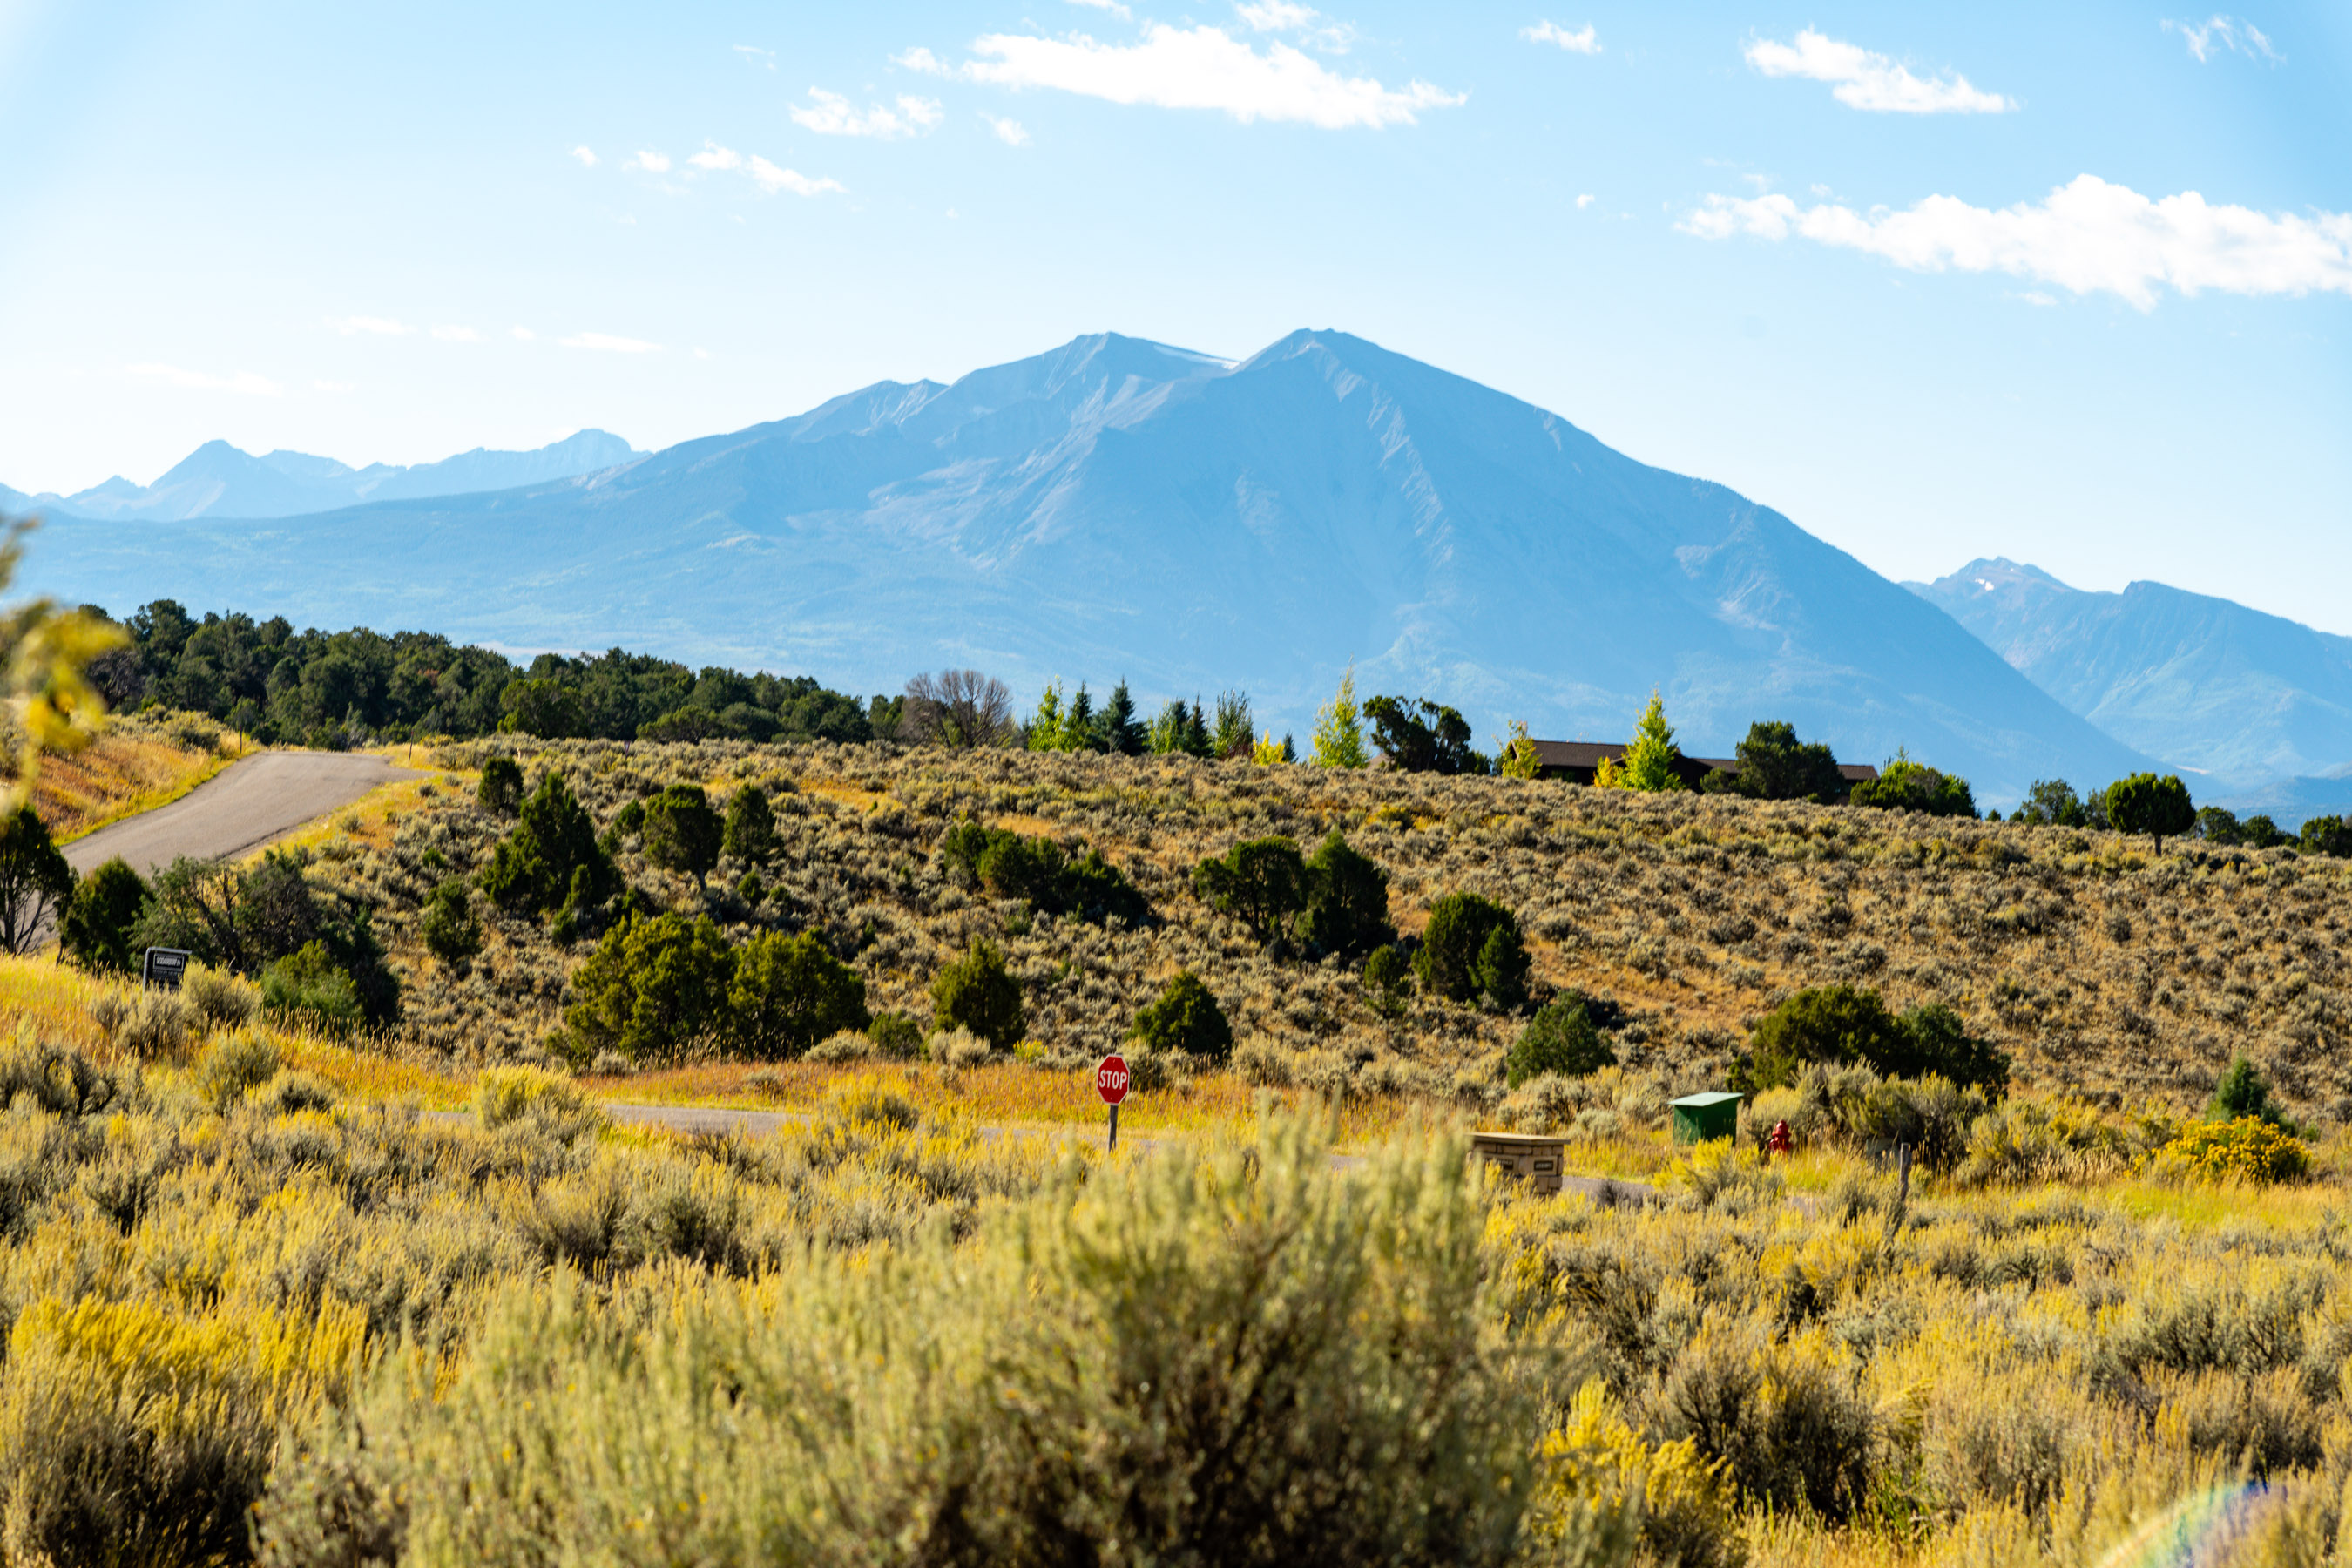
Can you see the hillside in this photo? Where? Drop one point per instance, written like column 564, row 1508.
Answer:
column 218, row 480
column 1120, row 508
column 2101, row 971
column 2260, row 705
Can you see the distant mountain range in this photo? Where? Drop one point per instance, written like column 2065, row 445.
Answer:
column 216, row 480
column 1120, row 508
column 2260, row 706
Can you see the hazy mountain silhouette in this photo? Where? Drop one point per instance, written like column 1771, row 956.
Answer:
column 1115, row 507
column 218, row 480
column 2239, row 695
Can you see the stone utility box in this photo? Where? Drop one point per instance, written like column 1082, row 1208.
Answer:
column 1703, row 1117
column 1530, row 1158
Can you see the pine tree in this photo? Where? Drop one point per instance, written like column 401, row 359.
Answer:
column 1121, row 732
column 1046, row 732
column 1082, row 729
column 1340, row 729
column 1649, row 763
column 1196, row 732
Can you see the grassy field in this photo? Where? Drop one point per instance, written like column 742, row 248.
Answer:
column 256, row 1307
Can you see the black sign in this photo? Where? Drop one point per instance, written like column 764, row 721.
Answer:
column 163, row 966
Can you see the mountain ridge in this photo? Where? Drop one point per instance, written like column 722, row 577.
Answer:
column 1117, row 507
column 220, row 481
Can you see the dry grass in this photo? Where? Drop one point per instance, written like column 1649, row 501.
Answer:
column 129, row 769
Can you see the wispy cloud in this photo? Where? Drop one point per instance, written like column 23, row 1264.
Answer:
column 831, row 114
column 1113, row 7
column 1008, row 131
column 651, row 163
column 1313, row 29
column 1584, row 201
column 458, row 334
column 375, row 326
column 715, row 159
column 334, row 388
column 2225, row 35
column 522, row 334
column 244, row 382
column 772, row 179
column 1197, row 68
column 607, row 344
column 1872, row 82
column 586, row 156
column 1585, row 40
column 2087, row 237
column 753, row 55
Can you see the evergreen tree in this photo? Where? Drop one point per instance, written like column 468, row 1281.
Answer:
column 1230, row 734
column 789, row 993
column 1560, row 1038
column 1082, row 728
column 1340, row 729
column 682, row 833
column 1186, row 1018
column 97, row 927
column 1649, row 760
column 2155, row 807
column 751, row 832
column 1045, row 730
column 35, row 881
column 1346, row 909
column 1122, row 733
column 977, row 993
column 1775, row 765
column 1905, row 785
column 1261, row 882
column 551, row 860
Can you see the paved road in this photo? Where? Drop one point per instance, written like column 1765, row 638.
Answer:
column 764, row 1123
column 244, row 806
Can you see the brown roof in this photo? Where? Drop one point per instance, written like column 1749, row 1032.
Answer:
column 1589, row 754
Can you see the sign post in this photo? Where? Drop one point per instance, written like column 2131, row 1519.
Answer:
column 1110, row 1083
column 163, row 966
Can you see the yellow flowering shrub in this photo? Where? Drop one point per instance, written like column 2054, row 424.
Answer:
column 1595, row 1466
column 2246, row 1150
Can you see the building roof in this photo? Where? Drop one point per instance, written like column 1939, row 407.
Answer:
column 1586, row 755
column 1701, row 1101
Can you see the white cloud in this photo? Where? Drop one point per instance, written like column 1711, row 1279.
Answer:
column 831, row 115
column 1866, row 81
column 1583, row 201
column 651, row 163
column 2232, row 35
column 753, row 55
column 771, row 179
column 1113, row 7
column 586, row 156
column 2087, row 237
column 244, row 382
column 376, row 326
column 458, row 334
column 1008, row 131
column 1585, row 40
column 1286, row 17
column 523, row 334
column 714, row 156
column 608, row 343
column 1201, row 68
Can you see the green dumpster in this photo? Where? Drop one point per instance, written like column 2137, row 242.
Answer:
column 1699, row 1118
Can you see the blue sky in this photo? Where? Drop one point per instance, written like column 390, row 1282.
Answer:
column 1931, row 280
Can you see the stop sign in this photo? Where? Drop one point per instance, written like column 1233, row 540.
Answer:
column 1110, row 1079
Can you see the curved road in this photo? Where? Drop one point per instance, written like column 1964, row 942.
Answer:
column 243, row 806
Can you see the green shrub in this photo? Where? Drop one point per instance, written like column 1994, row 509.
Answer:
column 1185, row 1018
column 896, row 1037
column 1346, row 909
column 1471, row 949
column 976, row 993
column 97, row 923
column 1560, row 1038
column 2244, row 1091
column 233, row 1064
column 1841, row 1022
column 552, row 861
column 1905, row 785
column 790, row 992
column 1388, row 976
column 500, row 790
column 218, row 998
column 653, row 988
column 1262, row 882
column 505, row 1095
column 451, row 931
column 1039, row 870
column 682, row 833
column 308, row 987
column 750, row 833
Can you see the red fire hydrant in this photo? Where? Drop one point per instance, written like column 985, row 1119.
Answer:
column 1779, row 1142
